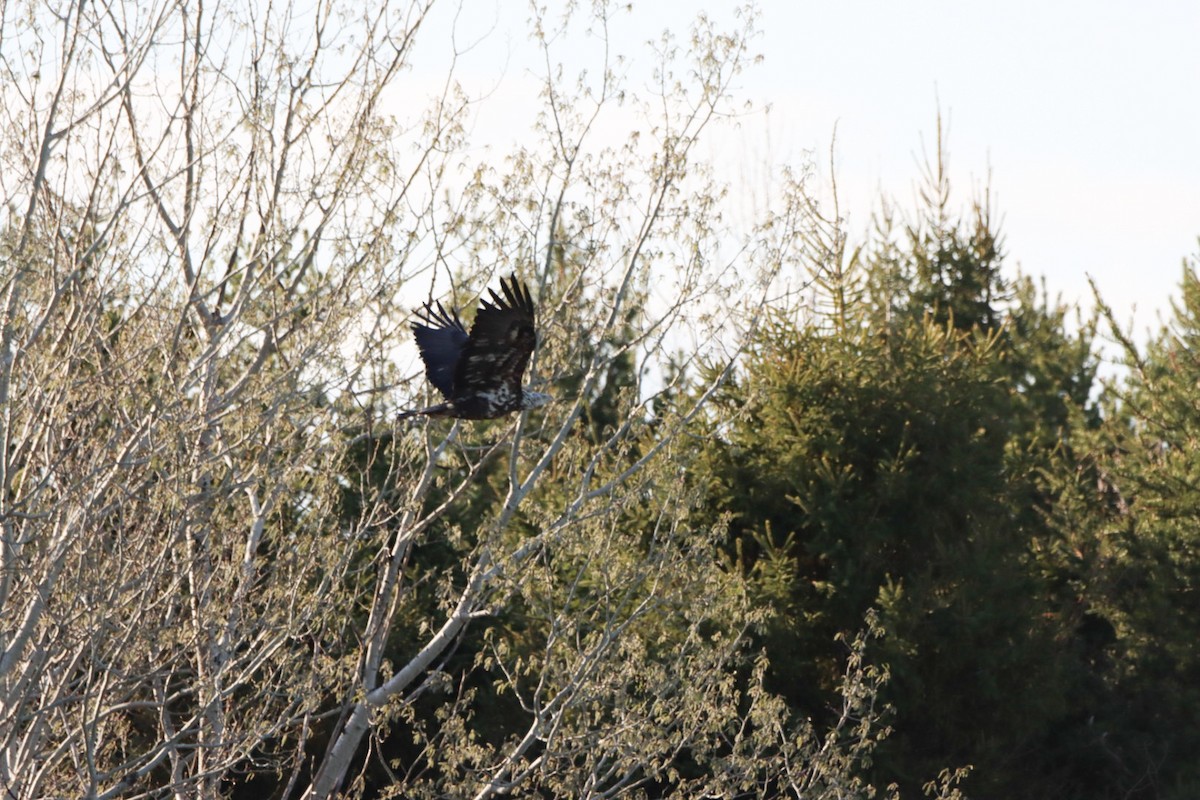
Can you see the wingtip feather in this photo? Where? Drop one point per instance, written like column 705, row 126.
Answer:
column 516, row 294
column 435, row 315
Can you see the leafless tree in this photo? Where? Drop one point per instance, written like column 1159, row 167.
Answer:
column 213, row 218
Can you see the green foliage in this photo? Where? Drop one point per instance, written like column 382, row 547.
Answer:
column 1134, row 563
column 897, row 461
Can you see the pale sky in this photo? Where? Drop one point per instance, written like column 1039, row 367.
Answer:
column 1086, row 116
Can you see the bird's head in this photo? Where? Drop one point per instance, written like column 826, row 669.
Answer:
column 534, row 399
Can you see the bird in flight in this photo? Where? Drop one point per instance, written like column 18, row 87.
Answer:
column 480, row 373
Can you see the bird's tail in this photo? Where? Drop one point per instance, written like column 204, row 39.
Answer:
column 439, row 410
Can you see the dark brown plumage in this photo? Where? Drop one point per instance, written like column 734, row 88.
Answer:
column 480, row 373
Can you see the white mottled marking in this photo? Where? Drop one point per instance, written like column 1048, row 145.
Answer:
column 499, row 396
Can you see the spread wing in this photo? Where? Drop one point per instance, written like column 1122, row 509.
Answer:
column 441, row 338
column 502, row 339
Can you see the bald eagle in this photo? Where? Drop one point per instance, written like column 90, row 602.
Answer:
column 480, row 373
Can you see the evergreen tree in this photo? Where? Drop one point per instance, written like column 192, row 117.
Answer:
column 1133, row 525
column 894, row 460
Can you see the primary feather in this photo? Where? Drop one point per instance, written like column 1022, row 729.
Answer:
column 440, row 340
column 480, row 373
